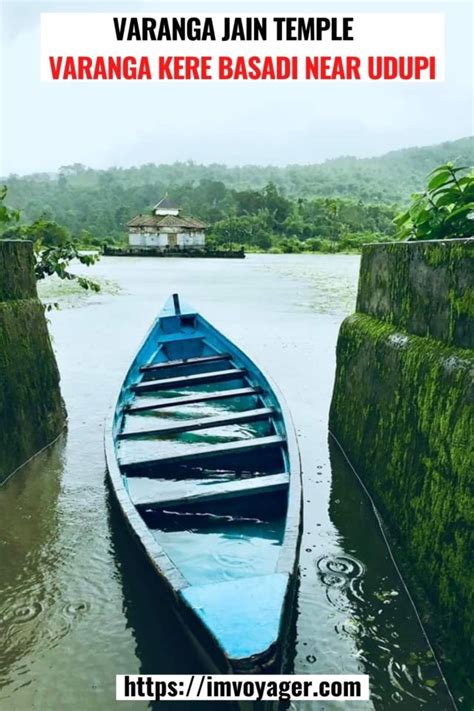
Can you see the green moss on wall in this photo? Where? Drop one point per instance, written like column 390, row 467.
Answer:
column 423, row 287
column 17, row 278
column 31, row 408
column 402, row 409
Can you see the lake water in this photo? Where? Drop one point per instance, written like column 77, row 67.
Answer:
column 77, row 605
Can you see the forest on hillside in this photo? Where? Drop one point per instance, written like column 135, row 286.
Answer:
column 338, row 204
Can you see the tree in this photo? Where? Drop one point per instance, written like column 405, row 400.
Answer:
column 278, row 207
column 46, row 233
column 52, row 246
column 250, row 230
column 7, row 216
column 232, row 230
column 56, row 260
column 445, row 210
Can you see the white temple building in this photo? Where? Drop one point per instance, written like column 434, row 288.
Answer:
column 166, row 228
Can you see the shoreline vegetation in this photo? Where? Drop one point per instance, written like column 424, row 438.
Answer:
column 55, row 292
column 333, row 207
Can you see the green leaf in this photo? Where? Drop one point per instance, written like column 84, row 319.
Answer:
column 460, row 211
column 421, row 214
column 445, row 167
column 402, row 218
column 439, row 179
column 466, row 180
column 447, row 188
column 405, row 233
column 444, row 198
column 467, row 190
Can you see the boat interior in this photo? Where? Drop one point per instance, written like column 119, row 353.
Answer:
column 201, row 445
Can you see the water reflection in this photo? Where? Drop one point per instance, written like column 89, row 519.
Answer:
column 30, row 599
column 160, row 642
column 372, row 606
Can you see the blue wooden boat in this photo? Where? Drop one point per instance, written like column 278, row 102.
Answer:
column 203, row 460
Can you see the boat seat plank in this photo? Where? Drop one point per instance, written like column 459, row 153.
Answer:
column 185, row 361
column 209, row 451
column 180, row 336
column 150, row 493
column 189, row 380
column 191, row 399
column 233, row 418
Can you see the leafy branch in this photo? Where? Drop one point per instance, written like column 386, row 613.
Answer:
column 56, row 259
column 7, row 215
column 445, row 210
column 52, row 245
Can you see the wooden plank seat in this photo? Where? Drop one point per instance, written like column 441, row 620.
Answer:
column 180, row 337
column 196, row 454
column 189, row 380
column 184, row 361
column 150, row 493
column 191, row 399
column 233, row 418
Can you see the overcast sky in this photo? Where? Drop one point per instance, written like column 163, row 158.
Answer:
column 47, row 125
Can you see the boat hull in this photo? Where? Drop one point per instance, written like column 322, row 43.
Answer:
column 209, row 633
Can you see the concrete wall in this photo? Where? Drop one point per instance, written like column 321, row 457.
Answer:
column 156, row 240
column 31, row 409
column 135, row 239
column 191, row 239
column 162, row 239
column 402, row 409
column 167, row 211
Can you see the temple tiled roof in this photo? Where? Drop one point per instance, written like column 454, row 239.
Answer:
column 189, row 223
column 166, row 204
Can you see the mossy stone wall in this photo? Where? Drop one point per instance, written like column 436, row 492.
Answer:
column 424, row 288
column 403, row 411
column 31, row 408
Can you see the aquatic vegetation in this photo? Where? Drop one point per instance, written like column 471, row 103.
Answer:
column 55, row 292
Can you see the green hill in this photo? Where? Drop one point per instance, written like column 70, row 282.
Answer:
column 102, row 201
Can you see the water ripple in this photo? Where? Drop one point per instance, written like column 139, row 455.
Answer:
column 26, row 613
column 339, row 574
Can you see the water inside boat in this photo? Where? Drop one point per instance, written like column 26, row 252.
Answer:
column 203, row 457
column 219, row 543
